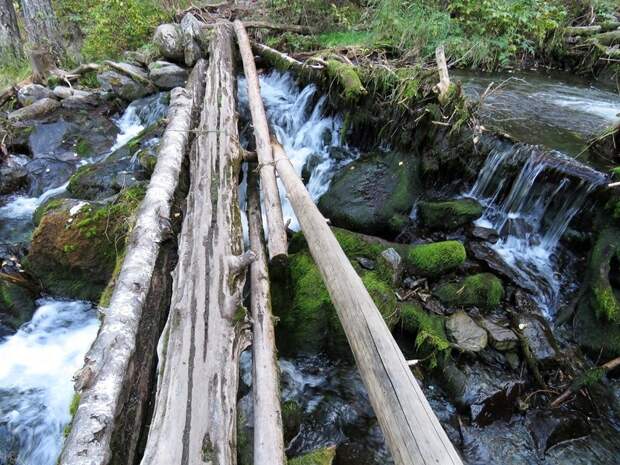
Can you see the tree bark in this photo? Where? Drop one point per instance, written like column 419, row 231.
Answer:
column 194, row 421
column 411, row 429
column 444, row 78
column 268, row 435
column 10, row 39
column 277, row 241
column 42, row 27
column 112, row 363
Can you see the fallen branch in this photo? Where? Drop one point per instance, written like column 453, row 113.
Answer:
column 132, row 74
column 279, row 27
column 444, row 79
column 594, row 375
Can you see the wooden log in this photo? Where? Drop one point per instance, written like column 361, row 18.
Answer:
column 110, row 365
column 444, row 78
column 411, row 429
column 194, row 420
column 279, row 27
column 580, row 31
column 277, row 241
column 607, row 38
column 268, row 435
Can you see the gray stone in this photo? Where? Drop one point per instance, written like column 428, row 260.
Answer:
column 465, row 333
column 539, row 338
column 130, row 69
column 168, row 39
column 390, row 262
column 167, row 75
column 502, row 339
column 13, row 173
column 121, row 85
column 36, row 110
column 366, row 263
column 485, row 234
column 31, row 93
column 191, row 29
column 63, row 92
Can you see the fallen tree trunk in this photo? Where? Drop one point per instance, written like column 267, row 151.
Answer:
column 411, row 429
column 194, row 421
column 113, row 364
column 607, row 38
column 444, row 78
column 279, row 27
column 586, row 379
column 268, row 435
column 277, row 241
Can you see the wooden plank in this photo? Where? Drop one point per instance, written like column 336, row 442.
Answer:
column 411, row 429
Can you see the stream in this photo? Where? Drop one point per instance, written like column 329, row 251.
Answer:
column 529, row 194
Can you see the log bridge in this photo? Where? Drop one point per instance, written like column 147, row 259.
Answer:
column 189, row 359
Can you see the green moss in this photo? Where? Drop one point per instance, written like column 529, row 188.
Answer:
column 604, row 303
column 602, row 298
column 106, row 295
column 83, row 148
column 41, row 210
column 435, row 258
column 75, row 403
column 483, row 290
column 429, row 330
column 292, row 416
column 16, row 304
column 347, row 77
column 318, row 457
column 356, row 245
column 449, row 215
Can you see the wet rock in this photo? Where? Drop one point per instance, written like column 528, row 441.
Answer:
column 483, row 290
column 484, row 234
column 192, row 31
column 168, row 39
column 489, row 256
column 13, row 173
column 390, row 265
column 167, row 75
column 17, row 304
column 76, row 244
column 36, row 110
column 31, row 93
column 366, row 263
column 369, row 194
column 434, row 259
column 502, row 442
column 450, row 214
column 466, row 334
column 63, row 92
column 121, row 85
column 86, row 101
column 549, row 428
column 501, row 338
column 312, row 162
column 539, row 338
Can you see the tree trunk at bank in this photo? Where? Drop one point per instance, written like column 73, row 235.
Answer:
column 268, row 435
column 42, row 27
column 277, row 241
column 10, row 40
column 194, row 421
column 411, row 429
column 115, row 382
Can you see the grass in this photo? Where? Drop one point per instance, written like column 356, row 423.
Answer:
column 12, row 71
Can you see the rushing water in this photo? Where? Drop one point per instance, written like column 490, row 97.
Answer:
column 38, row 363
column 309, row 136
column 532, row 210
column 554, row 110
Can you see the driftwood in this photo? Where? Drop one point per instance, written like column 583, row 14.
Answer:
column 411, row 429
column 110, row 365
column 586, row 379
column 268, row 436
column 277, row 242
column 444, row 78
column 194, row 420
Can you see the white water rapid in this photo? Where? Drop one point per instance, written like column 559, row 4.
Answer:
column 38, row 363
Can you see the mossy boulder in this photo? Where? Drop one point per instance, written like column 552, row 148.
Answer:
column 450, row 214
column 324, row 456
column 597, row 321
column 435, row 258
column 16, row 304
column 125, row 167
column 76, row 244
column 483, row 290
column 292, row 416
column 429, row 330
column 373, row 194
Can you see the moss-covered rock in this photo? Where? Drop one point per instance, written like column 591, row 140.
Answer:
column 318, row 457
column 16, row 304
column 372, row 194
column 429, row 330
column 435, row 258
column 347, row 77
column 483, row 290
column 75, row 247
column 292, row 416
column 449, row 215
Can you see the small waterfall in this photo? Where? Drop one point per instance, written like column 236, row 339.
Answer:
column 36, row 390
column 532, row 210
column 309, row 136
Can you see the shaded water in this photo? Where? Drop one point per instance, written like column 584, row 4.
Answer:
column 554, row 110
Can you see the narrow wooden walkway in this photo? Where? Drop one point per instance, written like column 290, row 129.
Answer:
column 194, row 418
